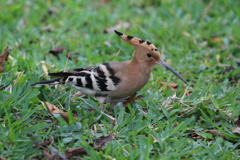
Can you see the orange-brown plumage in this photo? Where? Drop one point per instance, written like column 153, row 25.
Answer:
column 115, row 81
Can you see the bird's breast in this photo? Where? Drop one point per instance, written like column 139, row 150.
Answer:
column 130, row 84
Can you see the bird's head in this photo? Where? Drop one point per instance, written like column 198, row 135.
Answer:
column 146, row 52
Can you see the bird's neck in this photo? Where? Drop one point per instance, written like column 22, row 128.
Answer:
column 140, row 65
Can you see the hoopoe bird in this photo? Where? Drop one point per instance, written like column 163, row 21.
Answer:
column 115, row 81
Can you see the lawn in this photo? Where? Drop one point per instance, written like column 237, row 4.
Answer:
column 198, row 38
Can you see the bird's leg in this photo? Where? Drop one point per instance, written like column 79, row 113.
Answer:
column 112, row 104
column 115, row 100
column 129, row 100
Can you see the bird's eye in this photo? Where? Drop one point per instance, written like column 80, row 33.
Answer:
column 149, row 55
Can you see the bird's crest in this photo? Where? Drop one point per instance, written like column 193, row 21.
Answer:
column 136, row 42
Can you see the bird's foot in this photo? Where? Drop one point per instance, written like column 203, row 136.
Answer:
column 115, row 100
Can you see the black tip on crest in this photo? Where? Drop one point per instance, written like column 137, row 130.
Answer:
column 148, row 43
column 141, row 41
column 129, row 37
column 118, row 33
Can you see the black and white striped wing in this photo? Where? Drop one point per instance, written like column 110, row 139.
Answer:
column 90, row 80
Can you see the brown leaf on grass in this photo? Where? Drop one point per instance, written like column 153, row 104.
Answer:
column 214, row 133
column 3, row 58
column 15, row 115
column 69, row 56
column 54, row 155
column 195, row 136
column 237, row 122
column 174, row 87
column 100, row 142
column 105, row 1
column 119, row 25
column 48, row 150
column 52, row 108
column 216, row 39
column 75, row 151
column 47, row 155
column 56, row 51
column 78, row 151
column 237, row 128
column 45, row 143
column 55, row 110
column 238, row 64
column 2, row 87
column 229, row 69
column 47, row 15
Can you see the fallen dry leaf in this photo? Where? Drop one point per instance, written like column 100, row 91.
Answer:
column 237, row 128
column 228, row 69
column 195, row 136
column 53, row 154
column 119, row 25
column 216, row 39
column 215, row 133
column 2, row 87
column 47, row 155
column 237, row 122
column 56, row 51
column 45, row 143
column 48, row 150
column 174, row 87
column 54, row 110
column 47, row 15
column 15, row 115
column 100, row 142
column 75, row 151
column 3, row 58
column 78, row 151
column 69, row 56
column 105, row 1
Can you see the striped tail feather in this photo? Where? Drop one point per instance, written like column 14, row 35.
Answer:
column 51, row 82
column 61, row 74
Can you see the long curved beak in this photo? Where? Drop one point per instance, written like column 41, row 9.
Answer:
column 165, row 65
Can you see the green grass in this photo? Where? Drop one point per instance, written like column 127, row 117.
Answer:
column 198, row 38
